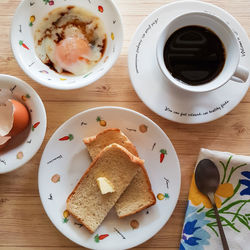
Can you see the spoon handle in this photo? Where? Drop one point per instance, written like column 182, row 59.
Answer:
column 222, row 235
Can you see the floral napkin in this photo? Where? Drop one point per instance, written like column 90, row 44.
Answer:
column 200, row 230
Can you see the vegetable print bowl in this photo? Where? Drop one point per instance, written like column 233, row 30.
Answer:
column 71, row 60
column 18, row 152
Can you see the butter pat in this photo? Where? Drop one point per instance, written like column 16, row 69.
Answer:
column 105, row 185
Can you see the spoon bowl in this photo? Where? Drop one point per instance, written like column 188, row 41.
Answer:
column 207, row 177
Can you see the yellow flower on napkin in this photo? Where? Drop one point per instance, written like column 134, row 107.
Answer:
column 196, row 197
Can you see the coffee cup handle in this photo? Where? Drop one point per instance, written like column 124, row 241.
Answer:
column 241, row 74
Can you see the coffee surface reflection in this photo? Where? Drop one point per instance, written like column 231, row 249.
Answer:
column 194, row 55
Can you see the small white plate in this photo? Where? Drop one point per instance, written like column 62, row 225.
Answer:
column 64, row 162
column 158, row 93
column 18, row 156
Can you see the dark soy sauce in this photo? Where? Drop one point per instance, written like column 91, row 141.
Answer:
column 194, row 55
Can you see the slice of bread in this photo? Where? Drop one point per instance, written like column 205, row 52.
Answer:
column 96, row 144
column 139, row 194
column 86, row 203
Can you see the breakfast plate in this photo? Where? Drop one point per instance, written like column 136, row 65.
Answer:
column 66, row 158
column 21, row 148
column 158, row 93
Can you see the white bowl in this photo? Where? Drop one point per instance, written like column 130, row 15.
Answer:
column 18, row 156
column 38, row 71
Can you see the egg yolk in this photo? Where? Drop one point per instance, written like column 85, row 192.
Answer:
column 70, row 50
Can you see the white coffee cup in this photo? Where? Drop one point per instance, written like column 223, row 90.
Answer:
column 231, row 68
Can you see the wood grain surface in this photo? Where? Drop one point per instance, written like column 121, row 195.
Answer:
column 23, row 222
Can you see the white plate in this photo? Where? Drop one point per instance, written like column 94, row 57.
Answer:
column 69, row 160
column 160, row 95
column 17, row 156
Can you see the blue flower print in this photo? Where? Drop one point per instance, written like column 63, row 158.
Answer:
column 193, row 235
column 245, row 182
column 190, row 228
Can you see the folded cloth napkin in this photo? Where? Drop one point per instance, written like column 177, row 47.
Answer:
column 200, row 230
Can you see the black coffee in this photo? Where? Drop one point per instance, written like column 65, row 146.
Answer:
column 194, row 54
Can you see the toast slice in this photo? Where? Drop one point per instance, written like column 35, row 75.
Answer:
column 139, row 194
column 96, row 144
column 86, row 203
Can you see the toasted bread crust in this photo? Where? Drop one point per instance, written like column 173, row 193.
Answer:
column 89, row 140
column 91, row 231
column 133, row 158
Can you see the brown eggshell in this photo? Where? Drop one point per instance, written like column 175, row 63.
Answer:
column 21, row 118
column 4, row 141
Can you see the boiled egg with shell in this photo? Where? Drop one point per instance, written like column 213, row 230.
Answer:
column 14, row 118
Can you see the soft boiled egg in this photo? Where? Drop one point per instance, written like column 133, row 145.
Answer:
column 70, row 39
column 14, row 118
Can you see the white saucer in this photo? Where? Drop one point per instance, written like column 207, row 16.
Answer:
column 164, row 98
column 64, row 162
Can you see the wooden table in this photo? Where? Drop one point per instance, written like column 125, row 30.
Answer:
column 23, row 222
